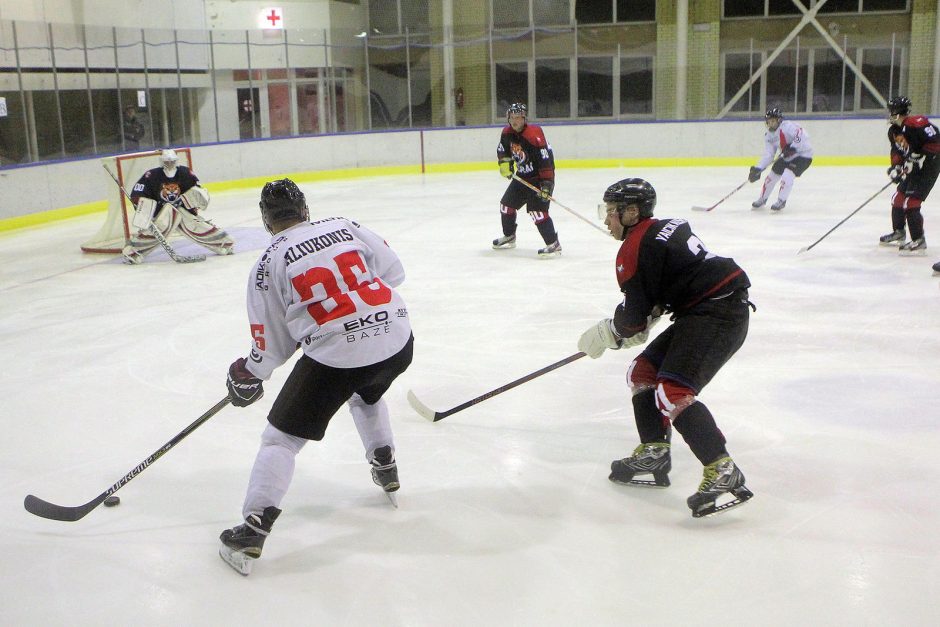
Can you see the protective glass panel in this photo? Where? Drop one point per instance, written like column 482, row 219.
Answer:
column 595, row 86
column 636, row 85
column 553, row 88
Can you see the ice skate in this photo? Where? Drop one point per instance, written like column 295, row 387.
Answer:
column 242, row 545
column 914, row 248
column 552, row 250
column 505, row 242
column 653, row 458
column 385, row 473
column 893, row 238
column 719, row 478
column 936, row 268
column 757, row 204
column 777, row 206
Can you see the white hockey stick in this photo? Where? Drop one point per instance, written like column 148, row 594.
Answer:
column 697, row 208
column 175, row 256
column 555, row 200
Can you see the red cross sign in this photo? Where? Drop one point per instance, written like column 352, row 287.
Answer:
column 272, row 18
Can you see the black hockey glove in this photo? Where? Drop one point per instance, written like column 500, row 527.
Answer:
column 788, row 152
column 896, row 173
column 244, row 388
column 546, row 188
column 754, row 174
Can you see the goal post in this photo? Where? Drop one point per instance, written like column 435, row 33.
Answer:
column 115, row 233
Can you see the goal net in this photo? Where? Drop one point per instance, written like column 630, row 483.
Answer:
column 116, row 230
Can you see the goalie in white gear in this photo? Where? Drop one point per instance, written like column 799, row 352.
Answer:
column 170, row 197
column 328, row 288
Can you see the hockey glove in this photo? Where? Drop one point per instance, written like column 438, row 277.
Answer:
column 545, row 189
column 788, row 152
column 505, row 168
column 896, row 173
column 754, row 174
column 599, row 338
column 244, row 388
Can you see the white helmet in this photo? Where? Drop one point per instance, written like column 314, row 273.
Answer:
column 169, row 159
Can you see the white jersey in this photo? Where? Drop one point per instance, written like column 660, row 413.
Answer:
column 328, row 287
column 789, row 139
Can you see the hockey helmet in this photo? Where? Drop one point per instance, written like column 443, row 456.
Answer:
column 773, row 112
column 281, row 201
column 169, row 160
column 517, row 108
column 899, row 106
column 632, row 191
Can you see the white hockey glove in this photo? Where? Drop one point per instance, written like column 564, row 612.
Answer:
column 599, row 338
column 642, row 336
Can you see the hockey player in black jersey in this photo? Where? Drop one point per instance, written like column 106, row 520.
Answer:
column 169, row 197
column 662, row 267
column 915, row 146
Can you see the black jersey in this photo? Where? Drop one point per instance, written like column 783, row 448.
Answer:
column 531, row 152
column 662, row 263
column 915, row 137
column 156, row 185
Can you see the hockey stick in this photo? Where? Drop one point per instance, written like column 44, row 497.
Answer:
column 45, row 509
column 697, row 208
column 155, row 231
column 873, row 196
column 434, row 416
column 555, row 200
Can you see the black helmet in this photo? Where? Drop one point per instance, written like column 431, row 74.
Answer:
column 282, row 200
column 632, row 192
column 773, row 112
column 899, row 105
column 517, row 108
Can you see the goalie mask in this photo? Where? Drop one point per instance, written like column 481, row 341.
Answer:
column 282, row 201
column 169, row 160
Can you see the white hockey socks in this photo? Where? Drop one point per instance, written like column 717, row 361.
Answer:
column 786, row 184
column 273, row 470
column 373, row 424
column 770, row 181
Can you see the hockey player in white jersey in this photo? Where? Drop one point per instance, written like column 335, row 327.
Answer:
column 328, row 288
column 791, row 144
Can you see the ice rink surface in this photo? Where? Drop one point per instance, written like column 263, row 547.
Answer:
column 831, row 409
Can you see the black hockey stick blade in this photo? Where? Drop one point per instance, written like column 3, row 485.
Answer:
column 45, row 509
column 434, row 416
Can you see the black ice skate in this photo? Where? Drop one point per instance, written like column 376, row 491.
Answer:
column 914, row 248
column 504, row 242
column 757, row 204
column 552, row 250
column 385, row 472
column 777, row 206
column 719, row 477
column 936, row 267
column 894, row 238
column 653, row 458
column 242, row 545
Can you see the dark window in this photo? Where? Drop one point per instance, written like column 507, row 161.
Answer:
column 787, row 80
column 739, row 66
column 636, row 10
column 883, row 75
column 636, row 85
column 744, row 8
column 415, row 16
column 840, row 6
column 595, row 86
column 593, row 11
column 783, row 7
column 553, row 88
column 833, row 82
column 512, row 85
column 555, row 13
column 884, row 5
column 383, row 17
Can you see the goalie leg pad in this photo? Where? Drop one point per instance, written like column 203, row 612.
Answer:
column 143, row 215
column 204, row 233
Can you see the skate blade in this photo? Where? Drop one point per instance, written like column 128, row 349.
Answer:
column 551, row 255
column 237, row 560
column 742, row 495
column 643, row 483
column 392, row 498
column 913, row 253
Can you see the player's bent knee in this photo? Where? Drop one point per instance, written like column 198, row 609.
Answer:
column 272, row 436
column 673, row 398
column 641, row 375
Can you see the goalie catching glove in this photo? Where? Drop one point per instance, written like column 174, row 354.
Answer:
column 505, row 168
column 244, row 388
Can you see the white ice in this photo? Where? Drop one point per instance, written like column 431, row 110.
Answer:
column 506, row 515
